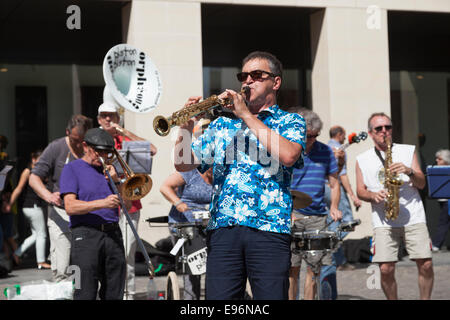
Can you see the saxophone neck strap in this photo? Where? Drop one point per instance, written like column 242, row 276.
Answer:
column 378, row 153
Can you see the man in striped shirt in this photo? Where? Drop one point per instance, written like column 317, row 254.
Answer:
column 319, row 164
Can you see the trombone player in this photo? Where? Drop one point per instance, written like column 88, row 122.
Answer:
column 97, row 245
column 249, row 228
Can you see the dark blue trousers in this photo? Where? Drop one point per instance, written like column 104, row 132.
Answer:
column 237, row 253
column 443, row 225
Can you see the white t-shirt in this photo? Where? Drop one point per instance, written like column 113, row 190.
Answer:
column 411, row 206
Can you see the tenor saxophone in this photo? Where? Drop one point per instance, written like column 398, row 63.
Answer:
column 162, row 125
column 392, row 183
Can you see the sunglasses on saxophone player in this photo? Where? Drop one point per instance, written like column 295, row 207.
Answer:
column 379, row 128
column 257, row 75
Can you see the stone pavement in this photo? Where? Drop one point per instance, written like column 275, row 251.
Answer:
column 356, row 284
column 353, row 285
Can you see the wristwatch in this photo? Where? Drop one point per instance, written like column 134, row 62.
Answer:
column 411, row 173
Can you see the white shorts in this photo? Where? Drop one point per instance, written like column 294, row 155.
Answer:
column 386, row 242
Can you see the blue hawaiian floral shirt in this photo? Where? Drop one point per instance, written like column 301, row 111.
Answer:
column 250, row 187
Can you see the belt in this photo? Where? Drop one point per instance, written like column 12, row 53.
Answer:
column 300, row 215
column 105, row 227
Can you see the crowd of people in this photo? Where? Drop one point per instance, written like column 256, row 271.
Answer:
column 74, row 209
column 248, row 195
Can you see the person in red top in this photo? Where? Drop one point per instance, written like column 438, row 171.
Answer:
column 108, row 118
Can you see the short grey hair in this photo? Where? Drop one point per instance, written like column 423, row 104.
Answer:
column 377, row 114
column 444, row 154
column 274, row 64
column 312, row 120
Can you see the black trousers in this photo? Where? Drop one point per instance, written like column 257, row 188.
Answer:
column 100, row 256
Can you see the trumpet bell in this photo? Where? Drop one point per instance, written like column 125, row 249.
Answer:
column 136, row 187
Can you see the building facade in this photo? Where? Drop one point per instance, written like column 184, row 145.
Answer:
column 345, row 59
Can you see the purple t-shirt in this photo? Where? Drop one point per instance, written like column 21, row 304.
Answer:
column 88, row 183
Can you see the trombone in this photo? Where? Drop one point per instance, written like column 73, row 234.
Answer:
column 135, row 187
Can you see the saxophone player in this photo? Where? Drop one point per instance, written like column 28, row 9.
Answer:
column 410, row 224
column 249, row 229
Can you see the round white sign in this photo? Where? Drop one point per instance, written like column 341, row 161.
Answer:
column 132, row 78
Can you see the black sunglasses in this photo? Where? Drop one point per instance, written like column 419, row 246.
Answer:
column 255, row 74
column 309, row 136
column 379, row 128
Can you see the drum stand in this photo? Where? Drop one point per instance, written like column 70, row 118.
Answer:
column 315, row 268
column 183, row 260
column 173, row 291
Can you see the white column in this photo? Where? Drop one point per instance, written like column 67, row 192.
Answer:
column 350, row 78
column 170, row 34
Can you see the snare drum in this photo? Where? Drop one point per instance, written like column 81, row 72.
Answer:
column 188, row 230
column 315, row 240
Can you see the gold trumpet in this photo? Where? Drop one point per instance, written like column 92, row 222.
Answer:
column 136, row 185
column 162, row 125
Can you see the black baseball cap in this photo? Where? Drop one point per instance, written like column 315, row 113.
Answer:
column 99, row 139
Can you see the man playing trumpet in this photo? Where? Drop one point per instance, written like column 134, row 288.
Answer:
column 249, row 229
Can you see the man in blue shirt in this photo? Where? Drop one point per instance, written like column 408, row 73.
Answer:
column 252, row 156
column 319, row 164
